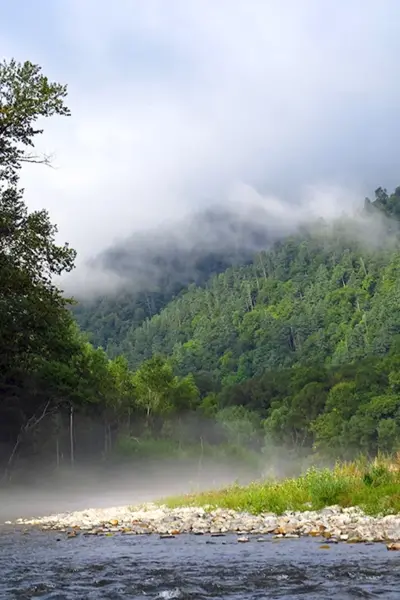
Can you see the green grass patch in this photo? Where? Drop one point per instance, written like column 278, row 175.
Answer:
column 373, row 487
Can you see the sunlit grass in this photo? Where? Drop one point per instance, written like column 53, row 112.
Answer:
column 373, row 486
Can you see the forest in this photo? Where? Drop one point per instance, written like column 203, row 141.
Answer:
column 294, row 349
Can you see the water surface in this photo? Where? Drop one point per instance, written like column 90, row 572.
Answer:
column 49, row 566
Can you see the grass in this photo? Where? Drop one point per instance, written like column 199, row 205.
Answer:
column 373, row 486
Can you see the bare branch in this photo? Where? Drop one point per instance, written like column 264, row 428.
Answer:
column 34, row 420
column 46, row 159
column 31, row 422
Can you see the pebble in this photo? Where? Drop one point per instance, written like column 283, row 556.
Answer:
column 393, row 546
column 332, row 524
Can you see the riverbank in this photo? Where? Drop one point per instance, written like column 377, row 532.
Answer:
column 349, row 503
column 332, row 524
column 373, row 487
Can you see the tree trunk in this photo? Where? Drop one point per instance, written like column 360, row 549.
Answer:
column 105, row 440
column 7, row 470
column 58, row 451
column 200, row 465
column 32, row 422
column 71, row 435
column 109, row 438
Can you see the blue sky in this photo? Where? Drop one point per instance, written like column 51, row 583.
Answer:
column 181, row 103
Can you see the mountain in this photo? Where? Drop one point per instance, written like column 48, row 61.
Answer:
column 324, row 298
column 156, row 266
column 322, row 295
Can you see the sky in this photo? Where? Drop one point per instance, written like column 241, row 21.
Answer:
column 180, row 104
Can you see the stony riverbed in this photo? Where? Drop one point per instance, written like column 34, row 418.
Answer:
column 334, row 524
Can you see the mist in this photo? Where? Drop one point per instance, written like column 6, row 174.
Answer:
column 219, row 236
column 97, row 486
column 40, row 486
column 228, row 233
column 135, row 483
column 173, row 107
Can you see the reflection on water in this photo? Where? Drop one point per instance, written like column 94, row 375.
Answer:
column 49, row 566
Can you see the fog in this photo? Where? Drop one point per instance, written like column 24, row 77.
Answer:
column 175, row 106
column 36, row 488
column 180, row 252
column 230, row 232
column 100, row 487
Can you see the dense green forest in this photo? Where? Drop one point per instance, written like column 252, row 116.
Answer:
column 318, row 297
column 157, row 266
column 296, row 350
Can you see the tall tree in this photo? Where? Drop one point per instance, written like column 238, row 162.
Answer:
column 34, row 323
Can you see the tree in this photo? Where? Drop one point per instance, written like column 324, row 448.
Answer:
column 32, row 309
column 388, row 435
column 35, row 325
column 240, row 425
column 153, row 383
column 25, row 96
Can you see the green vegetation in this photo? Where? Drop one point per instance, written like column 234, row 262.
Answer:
column 374, row 487
column 294, row 353
column 319, row 298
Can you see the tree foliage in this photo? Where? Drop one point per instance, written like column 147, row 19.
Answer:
column 25, row 96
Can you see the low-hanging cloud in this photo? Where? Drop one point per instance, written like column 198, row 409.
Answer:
column 188, row 248
column 177, row 105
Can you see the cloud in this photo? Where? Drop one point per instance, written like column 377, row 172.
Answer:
column 175, row 104
column 174, row 254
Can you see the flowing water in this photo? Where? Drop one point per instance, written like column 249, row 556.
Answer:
column 50, row 566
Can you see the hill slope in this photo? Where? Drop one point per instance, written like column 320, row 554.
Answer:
column 156, row 266
column 329, row 296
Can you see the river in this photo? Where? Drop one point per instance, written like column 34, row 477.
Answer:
column 50, row 566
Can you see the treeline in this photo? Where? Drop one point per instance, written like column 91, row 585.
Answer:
column 335, row 412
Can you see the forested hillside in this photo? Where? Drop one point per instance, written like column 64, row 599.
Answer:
column 326, row 296
column 157, row 266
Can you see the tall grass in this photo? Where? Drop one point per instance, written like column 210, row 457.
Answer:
column 373, row 486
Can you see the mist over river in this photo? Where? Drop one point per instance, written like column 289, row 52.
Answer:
column 95, row 487
column 50, row 566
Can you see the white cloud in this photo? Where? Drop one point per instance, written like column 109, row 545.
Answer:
column 174, row 103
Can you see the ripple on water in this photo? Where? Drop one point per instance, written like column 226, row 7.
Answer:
column 37, row 566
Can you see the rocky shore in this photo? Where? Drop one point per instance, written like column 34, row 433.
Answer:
column 333, row 524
